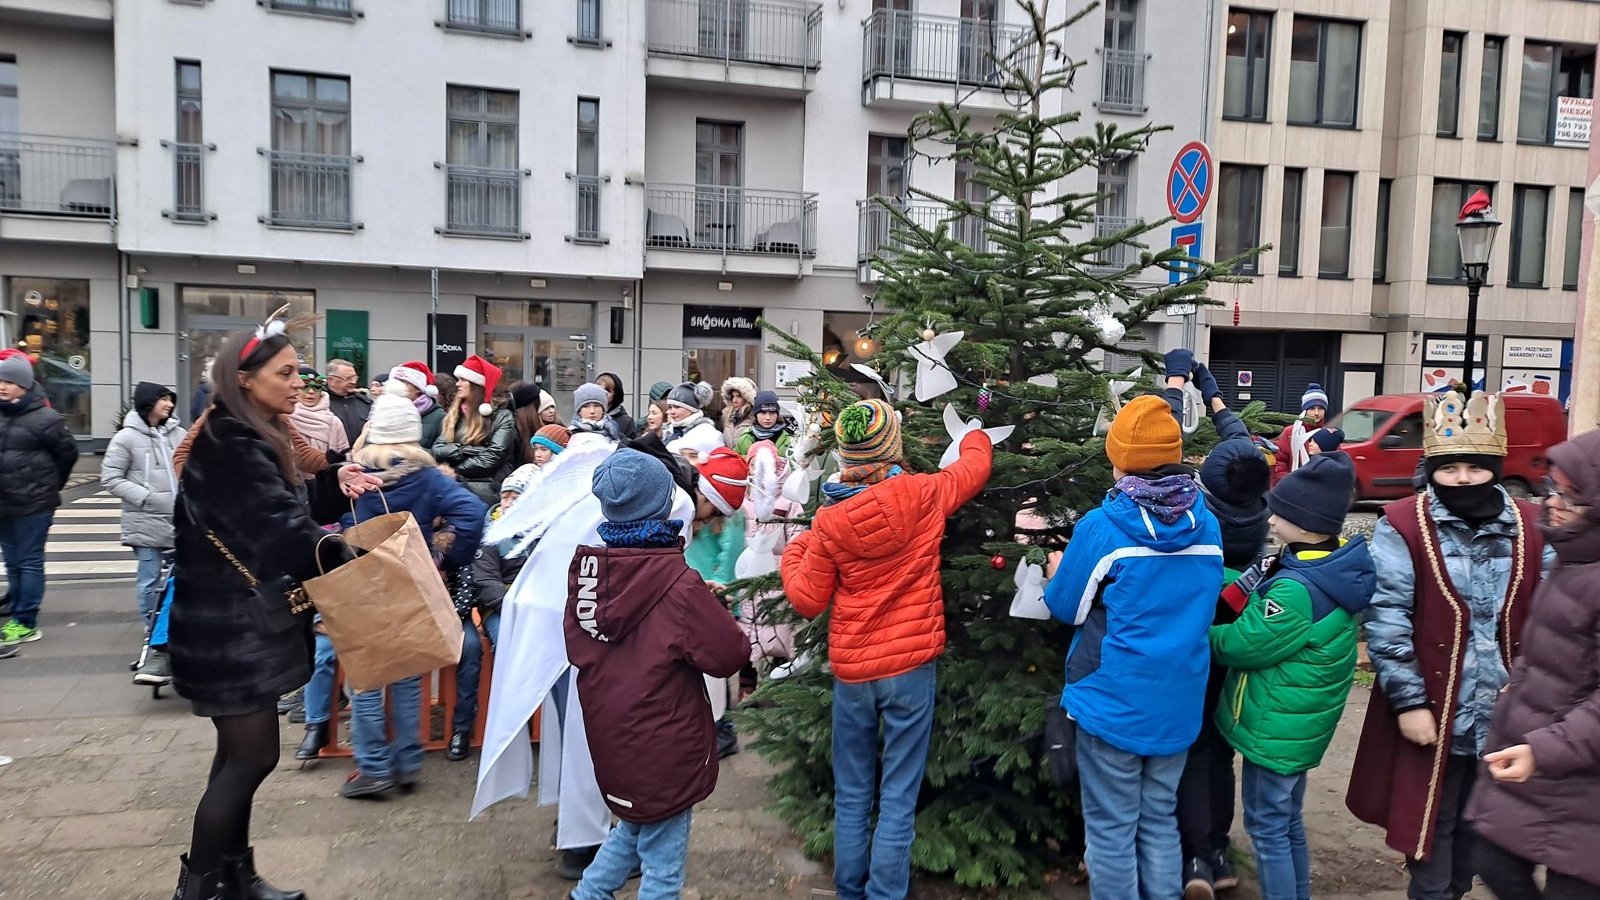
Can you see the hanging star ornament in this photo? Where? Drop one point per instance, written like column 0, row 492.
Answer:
column 959, row 429
column 934, row 377
column 870, row 372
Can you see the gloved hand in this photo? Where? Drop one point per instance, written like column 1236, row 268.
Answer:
column 1180, row 363
column 1206, row 383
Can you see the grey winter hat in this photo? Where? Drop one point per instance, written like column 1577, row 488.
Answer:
column 17, row 370
column 589, row 393
column 686, row 396
column 632, row 487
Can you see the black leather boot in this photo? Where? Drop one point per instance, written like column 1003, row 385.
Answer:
column 198, row 885
column 460, row 746
column 247, row 885
column 316, row 738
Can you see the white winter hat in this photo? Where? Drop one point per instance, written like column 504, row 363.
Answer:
column 394, row 420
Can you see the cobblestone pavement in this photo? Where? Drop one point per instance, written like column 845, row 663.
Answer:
column 104, row 779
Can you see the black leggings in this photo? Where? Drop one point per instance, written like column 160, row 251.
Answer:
column 247, row 752
column 1511, row 877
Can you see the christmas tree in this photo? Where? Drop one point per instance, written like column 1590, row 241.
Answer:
column 1033, row 290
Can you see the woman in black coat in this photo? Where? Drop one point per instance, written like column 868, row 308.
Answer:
column 236, row 648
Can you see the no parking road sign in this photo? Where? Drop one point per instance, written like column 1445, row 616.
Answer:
column 1189, row 182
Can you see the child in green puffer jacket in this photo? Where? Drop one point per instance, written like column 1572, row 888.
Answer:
column 1291, row 656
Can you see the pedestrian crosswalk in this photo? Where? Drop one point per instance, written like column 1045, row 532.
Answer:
column 86, row 541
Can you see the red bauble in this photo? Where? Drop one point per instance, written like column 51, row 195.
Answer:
column 998, row 561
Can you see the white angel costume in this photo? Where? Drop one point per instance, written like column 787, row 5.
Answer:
column 532, row 653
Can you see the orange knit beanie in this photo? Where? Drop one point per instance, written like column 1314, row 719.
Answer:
column 1144, row 436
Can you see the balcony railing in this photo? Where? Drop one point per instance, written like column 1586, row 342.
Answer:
column 188, row 181
column 1122, row 81
column 339, row 9
column 587, row 228
column 877, row 225
column 57, row 175
column 484, row 202
column 488, row 16
column 901, row 44
column 1116, row 256
column 309, row 190
column 721, row 219
column 760, row 32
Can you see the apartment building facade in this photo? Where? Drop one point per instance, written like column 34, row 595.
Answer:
column 567, row 187
column 1350, row 133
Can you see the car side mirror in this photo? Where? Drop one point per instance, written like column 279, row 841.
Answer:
column 1391, row 441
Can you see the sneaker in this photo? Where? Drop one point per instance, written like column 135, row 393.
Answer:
column 1222, row 874
column 359, row 786
column 291, row 700
column 408, row 781
column 15, row 632
column 1197, row 880
column 156, row 671
column 727, row 739
column 9, row 650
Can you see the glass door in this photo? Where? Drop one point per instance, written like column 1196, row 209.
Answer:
column 212, row 315
column 718, row 174
column 545, row 344
column 716, row 361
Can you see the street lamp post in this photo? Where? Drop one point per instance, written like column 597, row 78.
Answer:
column 1475, row 230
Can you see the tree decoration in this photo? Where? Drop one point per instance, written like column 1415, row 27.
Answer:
column 934, row 377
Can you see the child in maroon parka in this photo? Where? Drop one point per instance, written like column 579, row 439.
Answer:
column 644, row 630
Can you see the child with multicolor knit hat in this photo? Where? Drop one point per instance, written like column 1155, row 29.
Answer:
column 872, row 554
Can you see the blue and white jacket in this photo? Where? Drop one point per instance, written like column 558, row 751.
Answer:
column 1144, row 594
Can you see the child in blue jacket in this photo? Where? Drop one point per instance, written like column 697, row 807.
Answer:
column 1140, row 579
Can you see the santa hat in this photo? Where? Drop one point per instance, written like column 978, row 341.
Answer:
column 418, row 375
column 484, row 374
column 724, row 475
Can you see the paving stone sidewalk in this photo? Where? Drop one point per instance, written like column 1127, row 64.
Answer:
column 104, row 780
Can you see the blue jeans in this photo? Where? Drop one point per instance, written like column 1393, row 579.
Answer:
column 1273, row 807
column 660, row 849
column 158, row 630
column 871, row 863
column 319, row 690
column 147, row 583
column 22, row 543
column 375, row 755
column 469, row 671
column 1130, row 821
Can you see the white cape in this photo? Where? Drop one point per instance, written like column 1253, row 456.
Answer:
column 532, row 655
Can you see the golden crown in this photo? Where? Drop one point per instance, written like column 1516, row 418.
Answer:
column 1453, row 424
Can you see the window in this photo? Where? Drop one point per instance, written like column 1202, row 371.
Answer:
column 588, row 169
column 1380, row 253
column 1494, row 50
column 10, row 123
column 494, row 16
column 718, row 172
column 1324, row 72
column 1574, row 250
column 1112, row 210
column 485, row 185
column 1549, row 72
column 589, row 22
column 1528, row 227
column 339, row 8
column 52, row 324
column 1122, row 24
column 1239, row 215
column 1444, row 248
column 1244, row 88
column 886, row 166
column 310, row 157
column 1289, row 222
column 1338, row 192
column 1450, row 83
column 188, row 146
column 1122, row 75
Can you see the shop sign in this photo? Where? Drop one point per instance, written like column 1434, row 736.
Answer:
column 447, row 334
column 740, row 322
column 1451, row 349
column 1531, row 353
column 347, row 339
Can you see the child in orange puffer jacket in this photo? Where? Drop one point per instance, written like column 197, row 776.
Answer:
column 873, row 553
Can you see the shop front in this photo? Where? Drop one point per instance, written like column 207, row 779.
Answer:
column 210, row 315
column 720, row 342
column 49, row 319
column 545, row 343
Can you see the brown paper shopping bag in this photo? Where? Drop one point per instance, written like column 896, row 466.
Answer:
column 387, row 612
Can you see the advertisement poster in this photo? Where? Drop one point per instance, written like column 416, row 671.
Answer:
column 448, row 335
column 347, row 339
column 1540, row 366
column 1572, row 121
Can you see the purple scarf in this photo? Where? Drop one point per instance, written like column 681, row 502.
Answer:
column 1167, row 497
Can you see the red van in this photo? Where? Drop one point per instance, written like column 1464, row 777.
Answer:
column 1383, row 435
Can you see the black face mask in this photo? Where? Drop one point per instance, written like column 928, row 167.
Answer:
column 1473, row 503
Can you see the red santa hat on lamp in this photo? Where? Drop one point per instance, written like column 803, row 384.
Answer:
column 484, row 374
column 418, row 375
